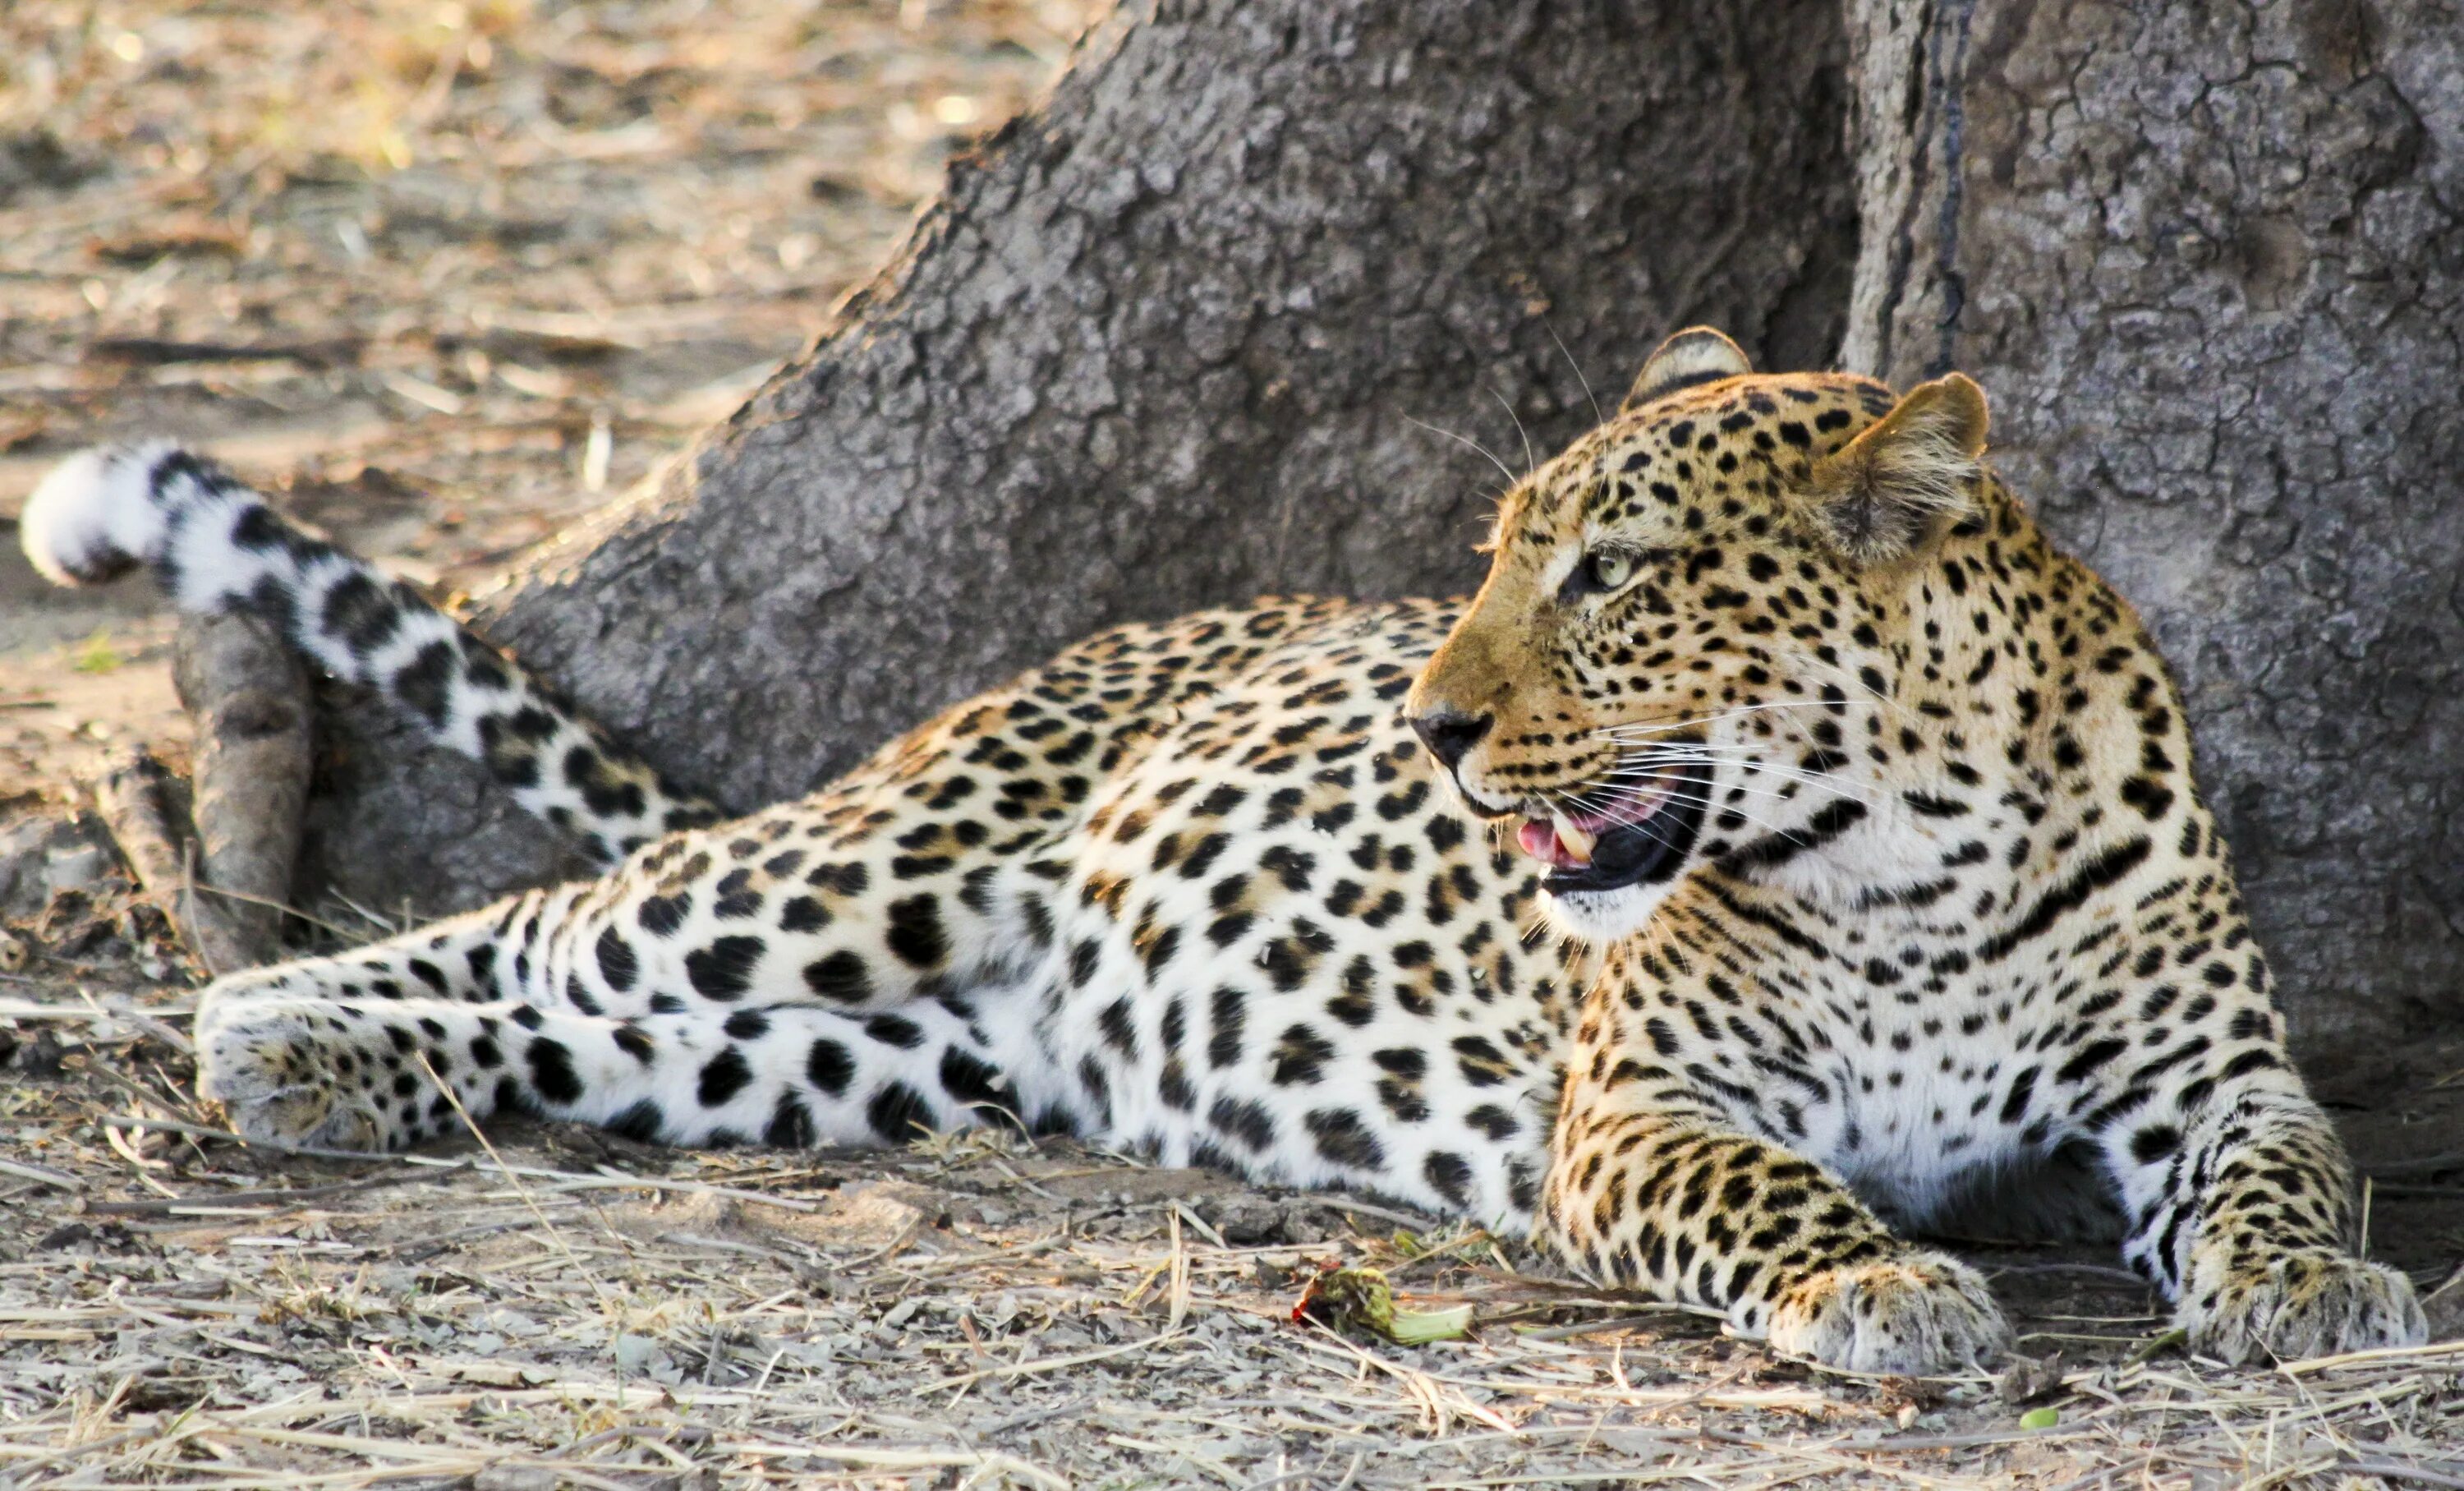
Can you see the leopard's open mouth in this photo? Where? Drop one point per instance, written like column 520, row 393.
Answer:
column 1643, row 835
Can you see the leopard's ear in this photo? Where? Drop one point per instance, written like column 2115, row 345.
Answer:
column 1906, row 479
column 1697, row 354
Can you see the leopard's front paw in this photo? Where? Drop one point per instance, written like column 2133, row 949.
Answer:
column 1913, row 1312
column 301, row 1074
column 2312, row 1302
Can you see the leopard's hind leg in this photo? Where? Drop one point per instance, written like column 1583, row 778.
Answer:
column 276, row 1045
column 359, row 1050
column 700, row 957
column 375, row 1073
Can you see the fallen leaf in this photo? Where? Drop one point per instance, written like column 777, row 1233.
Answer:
column 1360, row 1299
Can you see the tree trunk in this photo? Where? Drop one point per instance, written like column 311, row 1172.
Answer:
column 2207, row 262
column 1166, row 342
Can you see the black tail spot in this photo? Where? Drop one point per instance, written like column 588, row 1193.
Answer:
column 662, row 915
column 426, row 682
column 916, row 932
column 895, row 1031
column 1449, row 1175
column 722, row 1076
column 972, row 1082
column 898, row 1112
column 552, row 1072
column 791, row 1126
column 358, row 611
column 618, row 964
column 483, row 668
column 641, row 1123
column 803, row 914
column 1342, row 1138
column 258, row 529
column 1244, row 1121
column 828, row 1067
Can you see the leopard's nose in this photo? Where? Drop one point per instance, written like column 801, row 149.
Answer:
column 1450, row 733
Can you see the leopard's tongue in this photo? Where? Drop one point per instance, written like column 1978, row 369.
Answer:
column 1565, row 841
column 1556, row 843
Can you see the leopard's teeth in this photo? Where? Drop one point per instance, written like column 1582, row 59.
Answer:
column 1578, row 842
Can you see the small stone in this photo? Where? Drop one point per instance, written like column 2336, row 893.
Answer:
column 37, row 1058
column 2443, row 1306
column 633, row 1353
column 74, row 866
column 2027, row 1379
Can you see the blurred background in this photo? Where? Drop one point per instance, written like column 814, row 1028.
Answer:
column 458, row 269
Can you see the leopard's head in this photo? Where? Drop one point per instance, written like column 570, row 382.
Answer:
column 1693, row 619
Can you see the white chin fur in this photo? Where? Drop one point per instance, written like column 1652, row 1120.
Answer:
column 1600, row 917
column 93, row 517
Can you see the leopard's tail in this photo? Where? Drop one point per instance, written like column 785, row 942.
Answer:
column 215, row 545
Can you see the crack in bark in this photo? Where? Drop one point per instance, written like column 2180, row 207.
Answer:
column 1951, row 84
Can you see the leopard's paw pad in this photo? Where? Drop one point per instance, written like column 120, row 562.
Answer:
column 1914, row 1313
column 302, row 1073
column 2302, row 1304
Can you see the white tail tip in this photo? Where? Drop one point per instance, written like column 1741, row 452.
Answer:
column 93, row 517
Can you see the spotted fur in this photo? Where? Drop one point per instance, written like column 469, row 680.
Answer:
column 1900, row 890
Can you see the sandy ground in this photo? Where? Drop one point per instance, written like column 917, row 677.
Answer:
column 565, row 1308
column 446, row 274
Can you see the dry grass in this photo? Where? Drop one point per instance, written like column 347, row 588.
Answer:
column 561, row 1308
column 461, row 268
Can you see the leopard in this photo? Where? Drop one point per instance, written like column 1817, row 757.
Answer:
column 1788, row 850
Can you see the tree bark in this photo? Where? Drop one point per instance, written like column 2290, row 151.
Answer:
column 1173, row 340
column 2207, row 262
column 248, row 693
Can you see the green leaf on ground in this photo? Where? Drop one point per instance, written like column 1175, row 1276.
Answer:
column 96, row 653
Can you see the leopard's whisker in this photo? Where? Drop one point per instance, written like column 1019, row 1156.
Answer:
column 1529, row 464
column 1597, row 418
column 1622, row 772
column 1695, row 749
column 1512, row 480
column 1616, row 794
column 1749, row 766
column 1707, row 722
column 1721, row 717
column 1725, row 712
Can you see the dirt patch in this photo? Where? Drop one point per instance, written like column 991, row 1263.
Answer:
column 568, row 1308
column 443, row 276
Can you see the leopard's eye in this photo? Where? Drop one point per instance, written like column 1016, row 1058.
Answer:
column 1607, row 568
